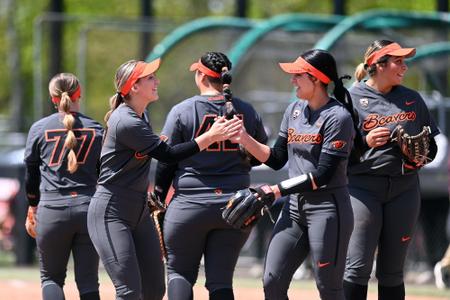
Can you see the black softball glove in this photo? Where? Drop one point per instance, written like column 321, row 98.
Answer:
column 248, row 205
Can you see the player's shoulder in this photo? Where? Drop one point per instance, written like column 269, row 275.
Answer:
column 238, row 102
column 336, row 111
column 404, row 91
column 186, row 103
column 44, row 123
column 89, row 122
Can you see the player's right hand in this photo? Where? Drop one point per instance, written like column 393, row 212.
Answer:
column 223, row 129
column 30, row 223
column 239, row 136
column 378, row 137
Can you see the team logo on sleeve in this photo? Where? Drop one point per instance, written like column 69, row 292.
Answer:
column 296, row 114
column 339, row 144
column 140, row 156
column 364, row 102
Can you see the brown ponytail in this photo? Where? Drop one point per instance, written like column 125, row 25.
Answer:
column 114, row 102
column 122, row 74
column 360, row 72
column 62, row 87
column 71, row 141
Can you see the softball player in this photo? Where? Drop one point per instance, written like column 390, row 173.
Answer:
column 118, row 218
column 384, row 188
column 193, row 224
column 61, row 157
column 315, row 137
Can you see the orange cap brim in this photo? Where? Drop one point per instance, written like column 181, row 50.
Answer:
column 204, row 69
column 406, row 52
column 150, row 67
column 142, row 69
column 393, row 49
column 300, row 66
column 292, row 68
column 193, row 67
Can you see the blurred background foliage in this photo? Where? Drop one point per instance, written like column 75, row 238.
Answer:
column 108, row 48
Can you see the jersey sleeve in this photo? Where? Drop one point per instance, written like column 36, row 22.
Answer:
column 427, row 119
column 171, row 130
column 285, row 123
column 32, row 153
column 338, row 135
column 138, row 135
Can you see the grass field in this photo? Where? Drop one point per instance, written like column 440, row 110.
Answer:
column 23, row 283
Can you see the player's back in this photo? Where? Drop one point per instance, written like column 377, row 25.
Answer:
column 221, row 165
column 45, row 147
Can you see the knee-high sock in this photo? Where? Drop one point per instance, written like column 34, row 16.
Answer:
column 222, row 294
column 391, row 292
column 355, row 291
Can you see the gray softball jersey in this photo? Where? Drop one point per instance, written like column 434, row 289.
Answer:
column 308, row 133
column 45, row 147
column 318, row 222
column 220, row 166
column 64, row 200
column 124, row 158
column 400, row 106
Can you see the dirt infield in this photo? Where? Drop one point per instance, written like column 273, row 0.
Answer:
column 14, row 289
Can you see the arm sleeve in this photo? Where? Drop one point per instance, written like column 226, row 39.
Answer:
column 163, row 179
column 172, row 154
column 278, row 154
column 433, row 149
column 260, row 135
column 32, row 182
column 32, row 161
column 325, row 171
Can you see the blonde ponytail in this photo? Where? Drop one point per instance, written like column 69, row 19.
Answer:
column 360, row 72
column 71, row 141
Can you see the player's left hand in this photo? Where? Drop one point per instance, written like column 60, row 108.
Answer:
column 30, row 223
column 248, row 205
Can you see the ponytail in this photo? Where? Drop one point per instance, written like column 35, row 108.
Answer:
column 361, row 72
column 114, row 103
column 226, row 78
column 343, row 96
column 71, row 140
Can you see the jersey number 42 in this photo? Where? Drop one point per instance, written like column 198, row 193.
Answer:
column 206, row 124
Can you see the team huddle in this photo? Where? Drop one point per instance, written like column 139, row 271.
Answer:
column 352, row 192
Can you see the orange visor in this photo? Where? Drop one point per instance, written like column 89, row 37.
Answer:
column 300, row 66
column 142, row 69
column 393, row 49
column 73, row 97
column 204, row 69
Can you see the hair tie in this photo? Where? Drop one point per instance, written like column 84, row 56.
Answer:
column 348, row 77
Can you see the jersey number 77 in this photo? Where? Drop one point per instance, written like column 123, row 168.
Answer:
column 85, row 138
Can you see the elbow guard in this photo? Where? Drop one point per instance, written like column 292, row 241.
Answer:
column 302, row 183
